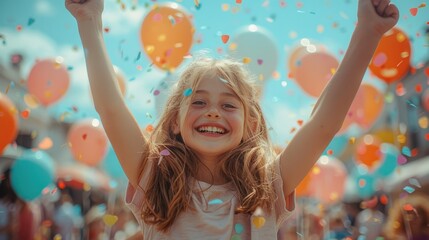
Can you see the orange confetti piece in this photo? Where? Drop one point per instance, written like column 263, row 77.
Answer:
column 225, row 38
column 25, row 114
column 427, row 136
column 414, row 11
column 422, row 5
column 149, row 128
column 418, row 88
column 330, row 152
column 106, row 29
column 238, row 1
column 46, row 143
column 408, row 207
column 300, row 122
column 427, row 72
column 246, row 60
column 84, row 136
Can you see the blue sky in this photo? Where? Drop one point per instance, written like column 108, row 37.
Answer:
column 48, row 31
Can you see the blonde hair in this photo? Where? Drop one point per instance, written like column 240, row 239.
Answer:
column 417, row 203
column 247, row 167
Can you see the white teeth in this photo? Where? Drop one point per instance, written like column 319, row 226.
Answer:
column 211, row 129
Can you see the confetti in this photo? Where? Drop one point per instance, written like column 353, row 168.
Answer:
column 414, row 11
column 409, row 189
column 25, row 113
column 215, row 201
column 406, row 151
column 258, row 222
column 246, row 60
column 238, row 1
column 238, row 228
column 225, row 38
column 110, row 220
column 187, row 92
column 401, row 159
column 84, row 136
column 30, row 21
column 46, row 143
column 165, row 152
column 414, row 182
column 260, row 61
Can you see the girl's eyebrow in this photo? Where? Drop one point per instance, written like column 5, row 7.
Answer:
column 227, row 94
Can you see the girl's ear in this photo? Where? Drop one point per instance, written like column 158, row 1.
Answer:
column 175, row 126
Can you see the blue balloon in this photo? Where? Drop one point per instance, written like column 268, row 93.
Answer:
column 390, row 161
column 31, row 173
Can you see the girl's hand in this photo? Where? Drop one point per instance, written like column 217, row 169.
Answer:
column 378, row 16
column 85, row 9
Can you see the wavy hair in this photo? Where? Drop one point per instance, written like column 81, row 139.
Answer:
column 404, row 210
column 247, row 167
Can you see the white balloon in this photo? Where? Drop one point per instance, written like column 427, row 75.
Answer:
column 257, row 45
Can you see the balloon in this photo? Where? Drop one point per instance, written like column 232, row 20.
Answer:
column 366, row 185
column 31, row 174
column 260, row 61
column 8, row 122
column 328, row 178
column 303, row 187
column 315, row 71
column 370, row 103
column 368, row 151
column 88, row 142
column 121, row 80
column 425, row 99
column 391, row 59
column 298, row 52
column 166, row 35
column 48, row 81
column 389, row 162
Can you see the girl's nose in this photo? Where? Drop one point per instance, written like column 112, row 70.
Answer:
column 213, row 113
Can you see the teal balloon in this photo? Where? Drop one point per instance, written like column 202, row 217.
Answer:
column 337, row 145
column 31, row 173
column 366, row 185
column 389, row 162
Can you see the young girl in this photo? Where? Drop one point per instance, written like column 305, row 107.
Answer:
column 208, row 170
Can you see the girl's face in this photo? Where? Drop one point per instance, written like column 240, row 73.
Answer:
column 211, row 122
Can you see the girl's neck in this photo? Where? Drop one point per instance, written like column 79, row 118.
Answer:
column 209, row 172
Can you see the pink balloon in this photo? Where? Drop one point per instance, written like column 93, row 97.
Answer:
column 48, row 81
column 328, row 178
column 425, row 100
column 88, row 142
column 315, row 71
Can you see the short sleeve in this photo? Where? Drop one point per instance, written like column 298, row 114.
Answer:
column 134, row 195
column 284, row 205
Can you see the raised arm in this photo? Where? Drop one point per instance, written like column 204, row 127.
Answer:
column 375, row 17
column 122, row 129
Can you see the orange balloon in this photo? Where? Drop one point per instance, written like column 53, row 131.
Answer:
column 48, row 81
column 368, row 151
column 303, row 187
column 121, row 80
column 167, row 34
column 296, row 55
column 315, row 71
column 370, row 106
column 8, row 122
column 391, row 59
column 88, row 142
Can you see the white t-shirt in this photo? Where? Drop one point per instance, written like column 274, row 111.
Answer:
column 214, row 217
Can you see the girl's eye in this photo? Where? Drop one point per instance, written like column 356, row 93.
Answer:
column 198, row 103
column 227, row 105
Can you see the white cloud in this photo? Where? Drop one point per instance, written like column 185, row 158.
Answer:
column 122, row 21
